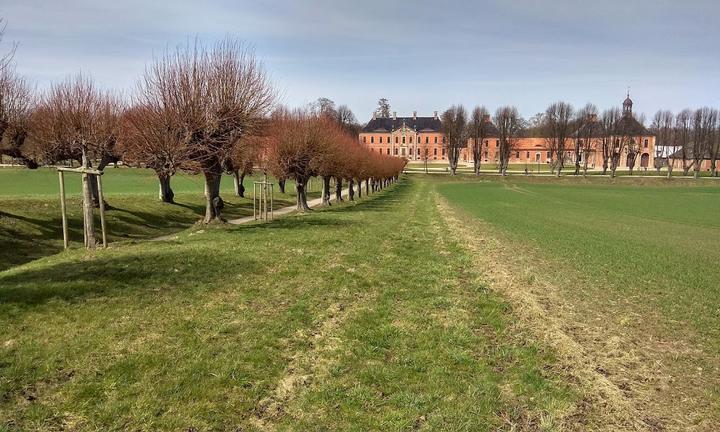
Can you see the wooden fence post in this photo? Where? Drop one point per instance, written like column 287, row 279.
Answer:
column 63, row 209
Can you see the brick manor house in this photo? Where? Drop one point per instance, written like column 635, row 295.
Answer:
column 417, row 138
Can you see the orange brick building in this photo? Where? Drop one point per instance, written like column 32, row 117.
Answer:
column 420, row 138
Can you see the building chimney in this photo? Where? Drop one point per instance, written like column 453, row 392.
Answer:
column 414, row 115
column 394, row 115
column 374, row 115
column 486, row 118
column 435, row 114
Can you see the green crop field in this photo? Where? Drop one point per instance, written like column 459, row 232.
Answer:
column 659, row 242
column 438, row 303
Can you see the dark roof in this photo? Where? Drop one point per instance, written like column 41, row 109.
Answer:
column 628, row 126
column 592, row 129
column 491, row 130
column 388, row 124
column 689, row 154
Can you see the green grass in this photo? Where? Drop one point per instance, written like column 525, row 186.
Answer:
column 646, row 241
column 30, row 221
column 359, row 317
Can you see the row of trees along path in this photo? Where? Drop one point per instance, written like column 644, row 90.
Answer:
column 199, row 109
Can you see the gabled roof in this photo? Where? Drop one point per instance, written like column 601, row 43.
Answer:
column 388, row 124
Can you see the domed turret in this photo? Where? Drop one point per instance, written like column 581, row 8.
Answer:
column 627, row 105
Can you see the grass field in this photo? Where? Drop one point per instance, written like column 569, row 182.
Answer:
column 30, row 222
column 661, row 242
column 628, row 272
column 335, row 320
column 438, row 304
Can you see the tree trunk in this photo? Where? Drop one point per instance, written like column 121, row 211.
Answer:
column 367, row 186
column 359, row 188
column 166, row 193
column 105, row 161
column 88, row 223
column 281, row 185
column 238, row 180
column 338, row 189
column 301, row 190
column 214, row 204
column 351, row 190
column 696, row 174
column 326, row 190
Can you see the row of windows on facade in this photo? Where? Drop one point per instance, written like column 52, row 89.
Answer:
column 497, row 142
column 409, row 153
column 397, row 140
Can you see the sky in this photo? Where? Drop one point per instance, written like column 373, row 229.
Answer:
column 422, row 55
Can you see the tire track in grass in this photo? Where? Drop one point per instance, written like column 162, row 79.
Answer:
column 586, row 355
column 308, row 365
column 606, row 400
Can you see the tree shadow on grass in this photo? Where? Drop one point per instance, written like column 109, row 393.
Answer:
column 113, row 275
column 294, row 222
column 384, row 200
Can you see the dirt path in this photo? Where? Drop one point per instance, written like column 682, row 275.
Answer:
column 629, row 380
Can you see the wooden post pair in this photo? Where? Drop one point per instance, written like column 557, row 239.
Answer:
column 63, row 206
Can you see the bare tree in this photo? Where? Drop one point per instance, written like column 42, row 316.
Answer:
column 608, row 122
column 346, row 118
column 663, row 128
column 715, row 148
column 558, row 118
column 589, row 136
column 683, row 138
column 216, row 97
column 78, row 118
column 703, row 128
column 17, row 100
column 454, row 127
column 510, row 127
column 586, row 124
column 150, row 137
column 480, row 129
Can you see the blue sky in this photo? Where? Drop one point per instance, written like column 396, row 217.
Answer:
column 421, row 55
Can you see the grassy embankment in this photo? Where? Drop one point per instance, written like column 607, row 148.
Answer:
column 30, row 222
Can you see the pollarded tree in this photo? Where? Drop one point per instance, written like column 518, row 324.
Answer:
column 510, row 127
column 297, row 142
column 455, row 128
column 17, row 101
column 479, row 129
column 216, row 97
column 662, row 127
column 558, row 118
column 588, row 137
column 683, row 138
column 76, row 118
column 150, row 137
column 608, row 122
column 585, row 123
column 704, row 121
